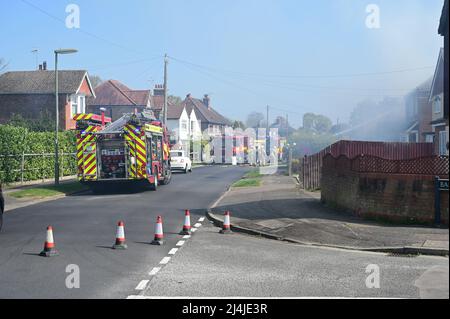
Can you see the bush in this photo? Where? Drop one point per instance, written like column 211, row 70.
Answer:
column 16, row 141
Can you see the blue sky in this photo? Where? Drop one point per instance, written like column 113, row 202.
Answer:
column 296, row 56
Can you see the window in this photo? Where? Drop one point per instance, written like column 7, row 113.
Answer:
column 443, row 139
column 184, row 125
column 78, row 103
column 429, row 138
column 437, row 105
column 74, row 103
column 82, row 104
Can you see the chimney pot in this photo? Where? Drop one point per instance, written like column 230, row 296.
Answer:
column 44, row 66
column 207, row 101
column 188, row 95
column 40, row 67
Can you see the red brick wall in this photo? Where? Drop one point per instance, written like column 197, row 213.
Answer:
column 30, row 106
column 403, row 198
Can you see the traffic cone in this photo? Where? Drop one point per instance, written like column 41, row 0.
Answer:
column 120, row 237
column 187, row 223
column 226, row 229
column 159, row 235
column 49, row 246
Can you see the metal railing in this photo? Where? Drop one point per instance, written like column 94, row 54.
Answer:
column 35, row 166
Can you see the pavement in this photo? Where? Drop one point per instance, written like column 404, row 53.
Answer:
column 84, row 227
column 238, row 265
column 280, row 210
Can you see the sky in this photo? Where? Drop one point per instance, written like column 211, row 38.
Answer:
column 296, row 56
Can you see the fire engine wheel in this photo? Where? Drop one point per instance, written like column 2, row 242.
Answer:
column 167, row 178
column 154, row 186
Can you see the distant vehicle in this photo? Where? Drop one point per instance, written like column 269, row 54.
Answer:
column 2, row 206
column 179, row 161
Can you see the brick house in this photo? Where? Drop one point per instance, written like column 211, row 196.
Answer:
column 28, row 93
column 438, row 122
column 440, row 92
column 118, row 99
column 418, row 114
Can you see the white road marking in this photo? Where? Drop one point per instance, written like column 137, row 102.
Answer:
column 154, row 271
column 198, row 225
column 180, row 243
column 142, row 285
column 193, row 230
column 186, row 236
column 202, row 219
column 173, row 251
column 165, row 260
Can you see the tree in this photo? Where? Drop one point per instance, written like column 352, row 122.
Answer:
column 174, row 100
column 44, row 123
column 238, row 124
column 95, row 80
column 3, row 65
column 317, row 123
column 255, row 119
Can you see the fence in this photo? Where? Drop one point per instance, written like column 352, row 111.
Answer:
column 30, row 167
column 311, row 166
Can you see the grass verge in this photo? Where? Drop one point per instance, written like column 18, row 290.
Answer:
column 251, row 179
column 49, row 191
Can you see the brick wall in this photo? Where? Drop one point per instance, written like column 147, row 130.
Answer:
column 404, row 198
column 30, row 106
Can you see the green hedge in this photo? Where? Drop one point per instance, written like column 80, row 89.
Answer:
column 16, row 141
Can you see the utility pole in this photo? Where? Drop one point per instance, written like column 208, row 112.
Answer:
column 267, row 133
column 166, row 62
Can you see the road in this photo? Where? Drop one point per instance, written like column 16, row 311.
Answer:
column 84, row 230
column 215, row 265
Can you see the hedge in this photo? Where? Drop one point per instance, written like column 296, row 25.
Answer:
column 16, row 141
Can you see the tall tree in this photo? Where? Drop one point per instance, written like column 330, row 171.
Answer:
column 95, row 80
column 317, row 123
column 174, row 100
column 3, row 65
column 255, row 119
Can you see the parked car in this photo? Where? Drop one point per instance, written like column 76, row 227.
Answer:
column 180, row 162
column 2, row 206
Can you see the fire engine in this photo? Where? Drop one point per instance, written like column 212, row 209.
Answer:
column 135, row 148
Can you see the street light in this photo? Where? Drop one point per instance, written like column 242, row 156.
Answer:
column 60, row 51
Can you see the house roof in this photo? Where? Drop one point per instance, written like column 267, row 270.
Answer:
column 42, row 82
column 443, row 24
column 115, row 93
column 437, row 86
column 175, row 111
column 204, row 114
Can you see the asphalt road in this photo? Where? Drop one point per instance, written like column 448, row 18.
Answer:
column 236, row 265
column 84, row 230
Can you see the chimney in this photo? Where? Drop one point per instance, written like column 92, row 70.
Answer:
column 158, row 90
column 188, row 96
column 207, row 101
column 44, row 66
column 40, row 67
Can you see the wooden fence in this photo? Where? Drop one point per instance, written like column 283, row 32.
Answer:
column 311, row 166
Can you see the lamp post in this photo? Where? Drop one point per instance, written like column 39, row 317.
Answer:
column 60, row 51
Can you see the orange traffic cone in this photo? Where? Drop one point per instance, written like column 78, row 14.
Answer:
column 226, row 229
column 49, row 246
column 159, row 235
column 187, row 223
column 120, row 237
